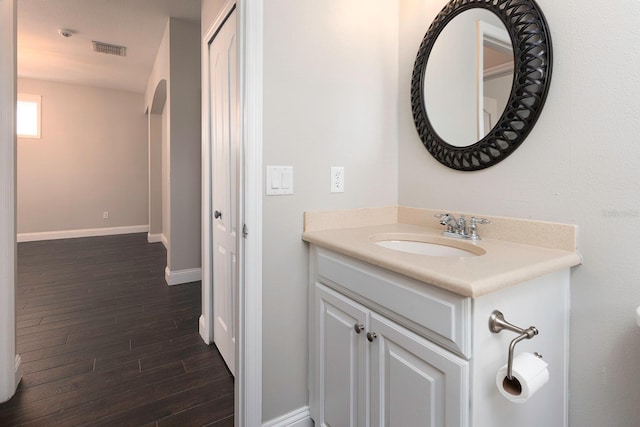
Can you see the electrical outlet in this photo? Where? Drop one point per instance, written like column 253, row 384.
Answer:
column 337, row 179
column 105, row 215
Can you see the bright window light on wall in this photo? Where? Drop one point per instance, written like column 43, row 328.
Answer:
column 28, row 116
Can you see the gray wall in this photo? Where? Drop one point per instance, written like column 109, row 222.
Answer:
column 184, row 145
column 156, row 136
column 330, row 99
column 92, row 158
column 166, row 211
column 178, row 63
column 155, row 174
column 157, row 102
column 579, row 165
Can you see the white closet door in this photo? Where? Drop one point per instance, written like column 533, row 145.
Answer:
column 225, row 145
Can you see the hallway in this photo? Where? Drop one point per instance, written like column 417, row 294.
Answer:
column 104, row 340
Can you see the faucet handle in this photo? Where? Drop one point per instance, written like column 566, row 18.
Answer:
column 447, row 220
column 443, row 217
column 475, row 220
column 473, row 228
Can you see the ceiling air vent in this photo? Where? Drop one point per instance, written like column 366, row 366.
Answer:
column 109, row 49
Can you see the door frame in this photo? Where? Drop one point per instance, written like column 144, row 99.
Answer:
column 248, row 381
column 9, row 359
column 499, row 39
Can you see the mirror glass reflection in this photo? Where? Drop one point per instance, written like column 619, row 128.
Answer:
column 468, row 77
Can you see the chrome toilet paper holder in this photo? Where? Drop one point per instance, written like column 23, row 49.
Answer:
column 497, row 324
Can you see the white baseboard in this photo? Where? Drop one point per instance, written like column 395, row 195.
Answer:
column 164, row 241
column 299, row 418
column 154, row 238
column 202, row 329
column 18, row 369
column 182, row 276
column 88, row 232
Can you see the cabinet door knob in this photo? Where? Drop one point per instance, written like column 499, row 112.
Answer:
column 371, row 336
column 217, row 214
column 358, row 328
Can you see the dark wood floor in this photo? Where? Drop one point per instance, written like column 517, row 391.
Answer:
column 105, row 342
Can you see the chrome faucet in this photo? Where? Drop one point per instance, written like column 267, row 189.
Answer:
column 458, row 228
column 448, row 220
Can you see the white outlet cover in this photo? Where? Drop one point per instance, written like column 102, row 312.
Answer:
column 337, row 179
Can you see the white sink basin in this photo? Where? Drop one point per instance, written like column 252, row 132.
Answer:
column 427, row 245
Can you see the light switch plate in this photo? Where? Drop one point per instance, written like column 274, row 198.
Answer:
column 279, row 180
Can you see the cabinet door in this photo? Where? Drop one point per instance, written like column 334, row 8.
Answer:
column 415, row 382
column 340, row 386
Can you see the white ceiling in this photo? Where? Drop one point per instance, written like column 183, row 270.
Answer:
column 137, row 24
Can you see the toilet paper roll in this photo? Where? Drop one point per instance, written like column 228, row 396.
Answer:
column 529, row 374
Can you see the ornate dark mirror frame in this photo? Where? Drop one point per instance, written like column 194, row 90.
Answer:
column 532, row 53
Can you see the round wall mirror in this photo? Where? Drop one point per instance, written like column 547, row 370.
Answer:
column 480, row 80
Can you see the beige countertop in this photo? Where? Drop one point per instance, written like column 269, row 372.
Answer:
column 504, row 263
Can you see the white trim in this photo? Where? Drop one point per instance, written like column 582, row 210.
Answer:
column 179, row 277
column 249, row 337
column 156, row 238
column 88, row 232
column 18, row 369
column 203, row 331
column 299, row 418
column 8, row 376
column 500, row 40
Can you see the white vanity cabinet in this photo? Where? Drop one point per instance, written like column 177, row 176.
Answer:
column 387, row 350
column 369, row 370
column 368, row 367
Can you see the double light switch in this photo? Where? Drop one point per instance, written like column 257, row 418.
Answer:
column 279, row 180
